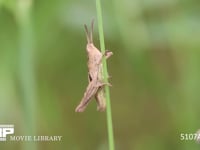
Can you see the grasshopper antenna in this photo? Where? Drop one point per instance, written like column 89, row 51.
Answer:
column 91, row 31
column 87, row 33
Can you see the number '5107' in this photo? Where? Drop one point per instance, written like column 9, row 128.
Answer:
column 189, row 136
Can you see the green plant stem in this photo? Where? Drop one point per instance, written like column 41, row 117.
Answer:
column 26, row 71
column 105, row 73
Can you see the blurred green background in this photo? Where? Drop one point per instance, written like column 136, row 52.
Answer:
column 155, row 73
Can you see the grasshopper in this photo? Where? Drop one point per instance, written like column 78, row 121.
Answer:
column 96, row 83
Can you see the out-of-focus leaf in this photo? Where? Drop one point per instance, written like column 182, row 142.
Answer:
column 9, row 4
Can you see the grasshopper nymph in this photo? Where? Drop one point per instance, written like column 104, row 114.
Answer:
column 96, row 83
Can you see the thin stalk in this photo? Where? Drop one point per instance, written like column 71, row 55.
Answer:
column 26, row 70
column 105, row 73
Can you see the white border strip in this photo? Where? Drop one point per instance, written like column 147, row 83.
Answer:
column 2, row 139
column 6, row 126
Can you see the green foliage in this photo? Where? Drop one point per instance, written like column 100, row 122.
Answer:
column 155, row 72
column 10, row 5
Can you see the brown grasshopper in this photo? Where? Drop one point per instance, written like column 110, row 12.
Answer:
column 95, row 74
